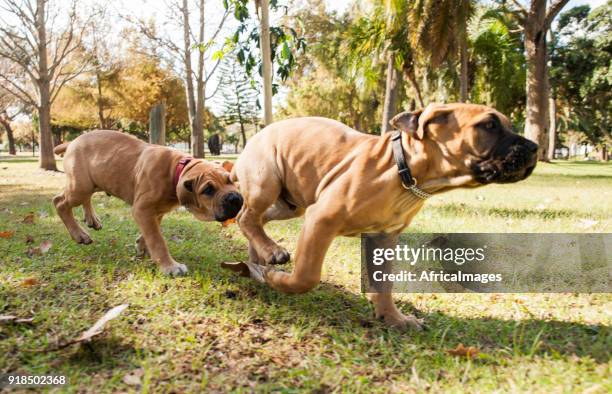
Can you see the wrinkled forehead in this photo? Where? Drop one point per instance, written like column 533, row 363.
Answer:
column 472, row 114
column 210, row 171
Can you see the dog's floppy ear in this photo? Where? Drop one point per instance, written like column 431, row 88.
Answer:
column 409, row 122
column 188, row 184
column 228, row 165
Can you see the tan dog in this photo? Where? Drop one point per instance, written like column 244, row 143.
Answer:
column 347, row 183
column 153, row 179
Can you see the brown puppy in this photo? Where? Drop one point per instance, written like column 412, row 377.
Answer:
column 153, row 179
column 347, row 183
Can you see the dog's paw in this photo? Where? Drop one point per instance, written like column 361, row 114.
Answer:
column 93, row 222
column 141, row 247
column 278, row 256
column 403, row 322
column 175, row 269
column 82, row 238
column 248, row 269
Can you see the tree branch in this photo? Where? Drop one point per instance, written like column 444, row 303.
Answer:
column 17, row 91
column 552, row 12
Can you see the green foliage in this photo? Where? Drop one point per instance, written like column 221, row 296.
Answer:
column 139, row 80
column 581, row 71
column 239, row 95
column 285, row 44
column 327, row 81
column 497, row 61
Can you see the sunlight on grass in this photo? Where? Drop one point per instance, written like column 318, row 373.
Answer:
column 212, row 330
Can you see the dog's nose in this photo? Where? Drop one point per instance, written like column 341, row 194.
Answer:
column 232, row 202
column 531, row 146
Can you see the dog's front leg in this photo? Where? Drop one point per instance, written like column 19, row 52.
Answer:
column 149, row 222
column 384, row 307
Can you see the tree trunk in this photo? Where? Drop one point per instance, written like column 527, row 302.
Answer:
column 100, row 102
column 463, row 77
column 552, row 136
column 47, row 159
column 391, row 88
column 535, row 25
column 409, row 72
column 195, row 113
column 6, row 123
column 266, row 60
column 198, row 150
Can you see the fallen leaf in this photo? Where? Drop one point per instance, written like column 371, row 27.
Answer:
column 462, row 351
column 133, row 378
column 29, row 218
column 98, row 327
column 29, row 282
column 45, row 246
column 6, row 234
column 31, row 252
column 29, row 239
column 228, row 222
column 15, row 319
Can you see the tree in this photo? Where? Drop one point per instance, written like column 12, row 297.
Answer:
column 239, row 92
column 327, row 80
column 276, row 45
column 535, row 20
column 9, row 109
column 497, row 62
column 40, row 54
column 138, row 80
column 266, row 61
column 183, row 53
column 581, row 73
column 442, row 33
column 382, row 35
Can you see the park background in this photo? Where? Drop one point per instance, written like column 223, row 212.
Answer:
column 355, row 61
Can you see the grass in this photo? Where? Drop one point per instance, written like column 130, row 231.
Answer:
column 212, row 331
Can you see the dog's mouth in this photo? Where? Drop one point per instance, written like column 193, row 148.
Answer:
column 517, row 164
column 231, row 203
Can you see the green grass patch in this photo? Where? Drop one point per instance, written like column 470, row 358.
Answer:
column 213, row 331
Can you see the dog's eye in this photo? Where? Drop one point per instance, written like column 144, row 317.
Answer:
column 488, row 125
column 209, row 190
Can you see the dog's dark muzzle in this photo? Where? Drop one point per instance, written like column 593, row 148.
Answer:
column 231, row 204
column 511, row 162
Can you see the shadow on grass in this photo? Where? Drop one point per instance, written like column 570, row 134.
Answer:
column 464, row 209
column 552, row 178
column 335, row 308
column 330, row 309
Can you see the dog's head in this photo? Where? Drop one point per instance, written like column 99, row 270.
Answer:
column 205, row 189
column 470, row 142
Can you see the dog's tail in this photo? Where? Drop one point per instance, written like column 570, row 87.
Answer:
column 61, row 149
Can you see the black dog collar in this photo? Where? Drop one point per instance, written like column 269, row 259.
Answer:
column 408, row 181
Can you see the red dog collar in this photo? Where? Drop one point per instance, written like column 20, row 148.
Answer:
column 179, row 169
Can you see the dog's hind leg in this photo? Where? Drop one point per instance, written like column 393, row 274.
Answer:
column 280, row 210
column 91, row 218
column 258, row 197
column 319, row 229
